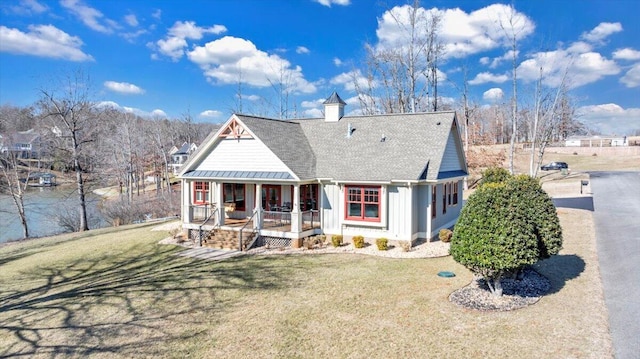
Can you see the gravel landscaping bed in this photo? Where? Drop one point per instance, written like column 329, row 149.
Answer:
column 517, row 293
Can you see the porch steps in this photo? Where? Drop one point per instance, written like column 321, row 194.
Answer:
column 223, row 239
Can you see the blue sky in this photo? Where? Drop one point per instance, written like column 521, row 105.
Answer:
column 168, row 58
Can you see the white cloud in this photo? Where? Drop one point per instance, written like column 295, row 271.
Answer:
column 632, row 77
column 484, row 60
column 602, row 31
column 42, row 41
column 580, row 68
column 157, row 14
column 494, row 94
column 313, row 104
column 610, row 119
column 337, row 62
column 349, row 80
column 131, row 20
column 302, row 50
column 231, row 59
column 123, row 88
column 28, row 7
column 157, row 113
column 175, row 42
column 89, row 16
column 210, row 114
column 626, row 54
column 485, row 77
column 462, row 33
column 508, row 56
column 328, row 3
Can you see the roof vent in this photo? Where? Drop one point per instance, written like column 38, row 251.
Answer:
column 382, row 139
column 350, row 130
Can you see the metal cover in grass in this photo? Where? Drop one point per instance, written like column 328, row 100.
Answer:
column 446, row 274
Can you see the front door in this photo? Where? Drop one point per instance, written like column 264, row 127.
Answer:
column 271, row 197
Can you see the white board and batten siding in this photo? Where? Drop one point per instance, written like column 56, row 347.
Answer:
column 397, row 219
column 246, row 154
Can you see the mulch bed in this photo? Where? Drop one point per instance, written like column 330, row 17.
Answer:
column 517, row 293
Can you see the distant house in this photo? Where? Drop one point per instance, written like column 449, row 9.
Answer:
column 24, row 144
column 180, row 155
column 596, row 141
column 397, row 176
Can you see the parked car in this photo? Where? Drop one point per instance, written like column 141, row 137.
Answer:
column 554, row 166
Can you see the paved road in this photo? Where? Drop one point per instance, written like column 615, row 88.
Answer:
column 616, row 197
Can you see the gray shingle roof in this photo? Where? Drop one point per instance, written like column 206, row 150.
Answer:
column 238, row 175
column 287, row 141
column 412, row 144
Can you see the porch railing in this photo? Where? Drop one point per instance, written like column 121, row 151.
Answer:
column 199, row 212
column 275, row 218
column 241, row 234
column 214, row 210
column 311, row 219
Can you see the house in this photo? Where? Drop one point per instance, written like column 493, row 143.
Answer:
column 22, row 144
column 180, row 155
column 596, row 141
column 397, row 176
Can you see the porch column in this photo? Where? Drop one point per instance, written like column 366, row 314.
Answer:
column 219, row 200
column 185, row 202
column 296, row 216
column 257, row 222
column 429, row 211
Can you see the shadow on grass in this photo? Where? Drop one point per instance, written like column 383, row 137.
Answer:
column 560, row 269
column 128, row 305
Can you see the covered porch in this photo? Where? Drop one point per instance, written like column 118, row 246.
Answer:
column 277, row 210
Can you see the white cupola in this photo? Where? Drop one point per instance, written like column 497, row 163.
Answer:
column 333, row 108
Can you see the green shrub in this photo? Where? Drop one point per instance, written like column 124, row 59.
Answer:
column 358, row 241
column 504, row 227
column 382, row 244
column 336, row 240
column 494, row 175
column 445, row 235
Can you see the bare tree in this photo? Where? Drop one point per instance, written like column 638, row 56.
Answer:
column 399, row 76
column 12, row 170
column 74, row 118
column 512, row 29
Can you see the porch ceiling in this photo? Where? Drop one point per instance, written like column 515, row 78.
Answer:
column 239, row 175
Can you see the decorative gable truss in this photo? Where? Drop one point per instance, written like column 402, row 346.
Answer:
column 234, row 130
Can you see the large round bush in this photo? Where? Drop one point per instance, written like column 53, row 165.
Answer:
column 505, row 226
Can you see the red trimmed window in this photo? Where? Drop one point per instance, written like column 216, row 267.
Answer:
column 363, row 203
column 234, row 193
column 433, row 201
column 455, row 193
column 444, row 198
column 200, row 192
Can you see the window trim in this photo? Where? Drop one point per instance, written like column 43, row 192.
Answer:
column 434, row 201
column 362, row 202
column 205, row 188
column 444, row 198
column 455, row 193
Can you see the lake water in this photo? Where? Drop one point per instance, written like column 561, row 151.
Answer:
column 43, row 207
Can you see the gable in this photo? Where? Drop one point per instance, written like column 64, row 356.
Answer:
column 452, row 159
column 235, row 151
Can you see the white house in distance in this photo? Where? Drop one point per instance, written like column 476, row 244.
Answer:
column 397, row 176
column 596, row 141
column 180, row 155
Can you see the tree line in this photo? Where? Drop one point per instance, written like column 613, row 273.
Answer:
column 94, row 146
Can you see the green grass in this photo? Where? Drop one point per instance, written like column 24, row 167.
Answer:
column 117, row 293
